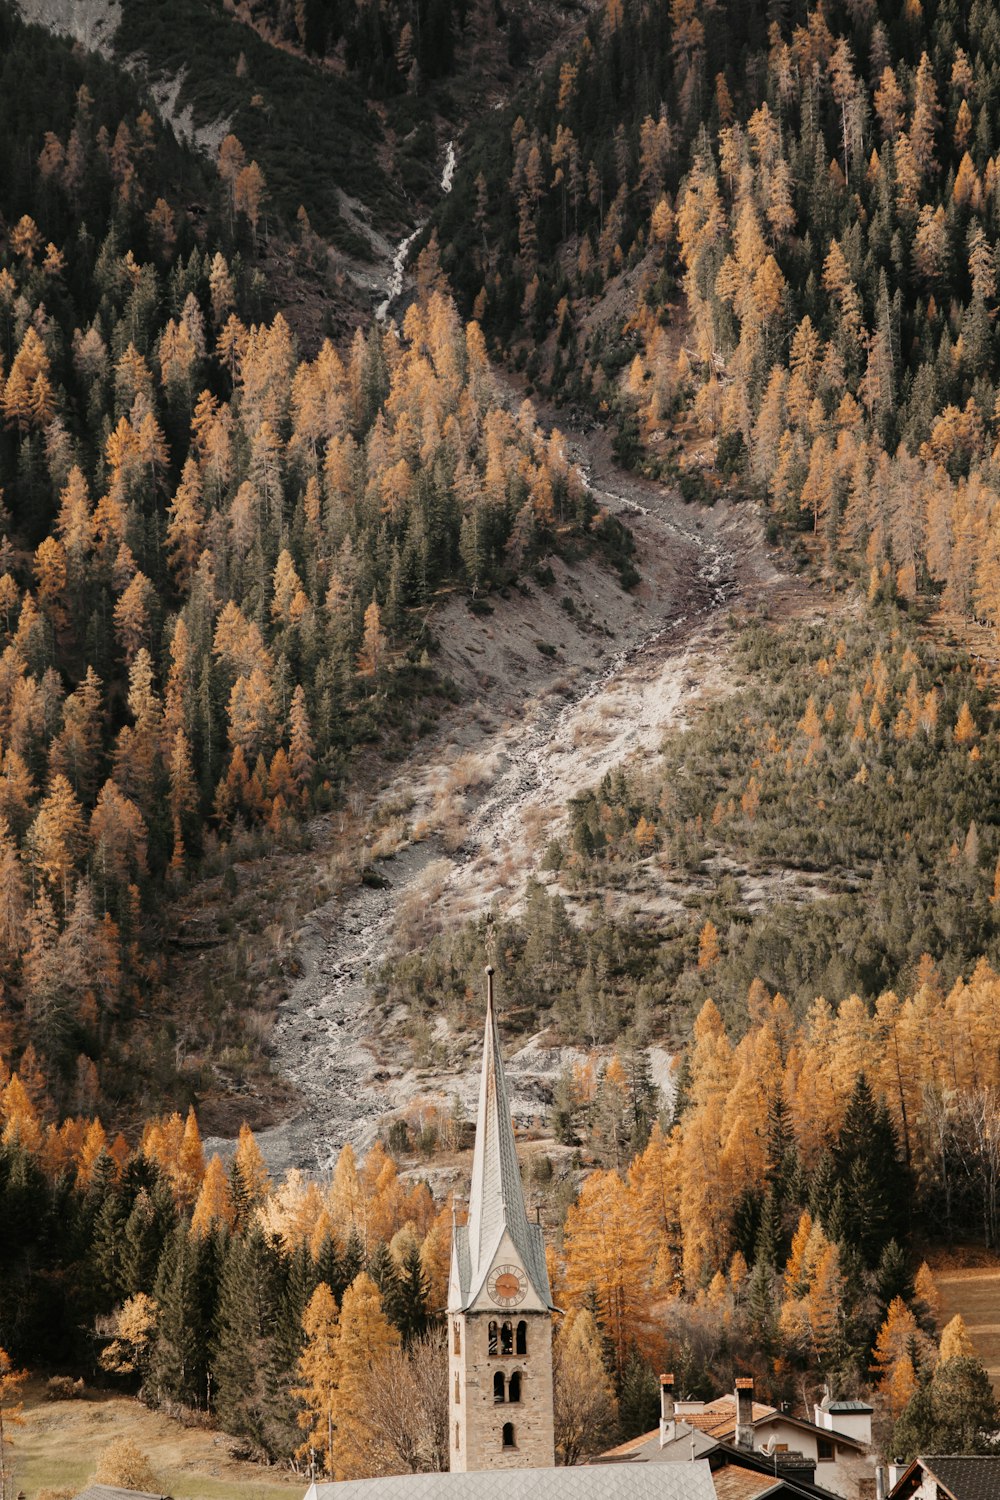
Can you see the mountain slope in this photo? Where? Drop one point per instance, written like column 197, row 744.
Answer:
column 776, row 233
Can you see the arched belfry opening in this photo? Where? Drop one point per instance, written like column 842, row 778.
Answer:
column 499, row 1298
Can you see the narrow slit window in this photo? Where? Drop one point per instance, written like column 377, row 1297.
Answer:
column 514, row 1387
column 456, row 1329
column 522, row 1337
column 506, row 1338
column 492, row 1336
column 508, row 1435
column 498, row 1384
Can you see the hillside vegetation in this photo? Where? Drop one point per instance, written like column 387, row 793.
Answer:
column 216, row 554
column 759, row 241
column 781, row 226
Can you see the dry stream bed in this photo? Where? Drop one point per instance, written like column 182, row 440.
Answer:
column 613, row 673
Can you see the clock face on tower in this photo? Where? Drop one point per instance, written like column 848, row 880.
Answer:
column 507, row 1285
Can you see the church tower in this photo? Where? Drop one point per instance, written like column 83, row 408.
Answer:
column 499, row 1301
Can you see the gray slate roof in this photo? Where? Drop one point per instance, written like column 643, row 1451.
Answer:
column 966, row 1478
column 691, row 1481
column 861, row 1406
column 496, row 1197
column 112, row 1492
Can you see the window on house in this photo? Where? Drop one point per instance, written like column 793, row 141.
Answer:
column 491, row 1347
column 508, row 1435
column 522, row 1337
column 514, row 1387
column 826, row 1452
column 456, row 1329
column 498, row 1386
column 506, row 1338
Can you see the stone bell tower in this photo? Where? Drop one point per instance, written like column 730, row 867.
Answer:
column 499, row 1301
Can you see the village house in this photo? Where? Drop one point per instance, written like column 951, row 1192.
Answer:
column 832, row 1452
column 938, row 1477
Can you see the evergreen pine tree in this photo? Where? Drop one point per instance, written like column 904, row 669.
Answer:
column 382, row 1270
column 329, row 1268
column 351, row 1261
column 180, row 1333
column 106, row 1250
column 866, row 1157
column 299, row 1283
column 762, row 1304
column 639, row 1397
column 893, row 1277
column 146, row 1229
column 405, row 1301
column 822, row 1188
column 249, row 1300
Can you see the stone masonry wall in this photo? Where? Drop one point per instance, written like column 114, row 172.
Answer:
column 478, row 1418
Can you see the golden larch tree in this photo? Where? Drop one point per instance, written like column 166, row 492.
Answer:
column 214, row 1208
column 318, row 1370
column 366, row 1339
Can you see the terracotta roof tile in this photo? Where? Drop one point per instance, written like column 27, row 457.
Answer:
column 734, row 1483
column 719, row 1417
column 632, row 1444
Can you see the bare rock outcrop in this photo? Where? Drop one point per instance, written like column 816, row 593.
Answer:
column 93, row 23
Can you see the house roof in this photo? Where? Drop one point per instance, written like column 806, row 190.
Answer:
column 732, row 1483
column 786, row 1483
column 615, row 1482
column 848, row 1406
column 687, row 1443
column 631, row 1445
column 496, row 1197
column 960, row 1477
column 691, row 1444
column 112, row 1492
column 825, row 1432
column 718, row 1419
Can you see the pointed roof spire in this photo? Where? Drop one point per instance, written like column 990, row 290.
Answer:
column 496, row 1197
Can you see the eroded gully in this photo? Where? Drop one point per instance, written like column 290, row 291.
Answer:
column 330, row 1038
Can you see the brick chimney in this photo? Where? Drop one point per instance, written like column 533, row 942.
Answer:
column 668, row 1426
column 744, row 1412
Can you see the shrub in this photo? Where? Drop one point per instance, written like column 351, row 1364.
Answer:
column 124, row 1465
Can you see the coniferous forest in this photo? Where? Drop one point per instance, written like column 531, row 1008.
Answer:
column 754, row 247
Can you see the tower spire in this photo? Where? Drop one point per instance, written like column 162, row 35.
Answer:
column 496, row 1197
column 500, row 1404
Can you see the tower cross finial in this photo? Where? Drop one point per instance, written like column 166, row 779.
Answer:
column 490, row 942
